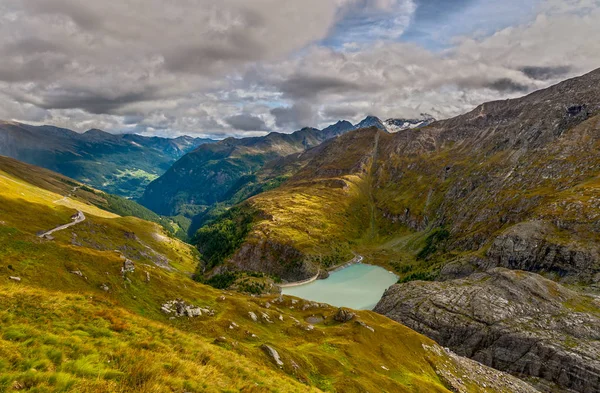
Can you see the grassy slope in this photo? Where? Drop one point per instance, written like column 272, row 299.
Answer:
column 51, row 181
column 61, row 332
column 401, row 210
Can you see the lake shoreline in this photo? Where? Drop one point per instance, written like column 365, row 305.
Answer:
column 358, row 286
column 357, row 259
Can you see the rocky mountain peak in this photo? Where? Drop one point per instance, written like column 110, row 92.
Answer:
column 371, row 121
column 397, row 125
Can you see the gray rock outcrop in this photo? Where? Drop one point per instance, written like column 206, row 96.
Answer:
column 179, row 308
column 273, row 354
column 513, row 321
column 343, row 315
column 530, row 246
column 128, row 267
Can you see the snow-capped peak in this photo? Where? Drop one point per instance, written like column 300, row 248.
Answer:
column 371, row 121
column 396, row 125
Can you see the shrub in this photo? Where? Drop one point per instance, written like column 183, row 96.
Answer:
column 436, row 239
column 218, row 240
column 222, row 281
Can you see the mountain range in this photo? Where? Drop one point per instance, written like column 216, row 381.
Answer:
column 489, row 219
column 120, row 164
column 226, row 171
column 510, row 185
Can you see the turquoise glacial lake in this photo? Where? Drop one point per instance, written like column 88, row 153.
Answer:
column 358, row 286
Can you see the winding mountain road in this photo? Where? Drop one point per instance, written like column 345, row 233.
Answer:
column 77, row 218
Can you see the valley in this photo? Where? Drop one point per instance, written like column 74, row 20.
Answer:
column 108, row 304
column 118, row 164
column 263, row 196
column 471, row 231
column 510, row 185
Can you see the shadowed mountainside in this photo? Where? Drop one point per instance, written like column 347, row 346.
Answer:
column 119, row 164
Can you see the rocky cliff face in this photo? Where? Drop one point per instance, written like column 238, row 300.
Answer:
column 534, row 246
column 275, row 259
column 510, row 320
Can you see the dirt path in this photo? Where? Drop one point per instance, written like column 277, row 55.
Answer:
column 67, row 196
column 77, row 218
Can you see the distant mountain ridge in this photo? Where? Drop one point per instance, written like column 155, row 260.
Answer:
column 394, row 125
column 121, row 164
column 211, row 172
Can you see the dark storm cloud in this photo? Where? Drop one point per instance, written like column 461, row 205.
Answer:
column 502, row 84
column 545, row 73
column 246, row 122
column 31, row 45
column 306, row 86
column 297, row 116
column 507, row 85
column 340, row 113
column 131, row 120
column 74, row 10
column 92, row 102
column 32, row 69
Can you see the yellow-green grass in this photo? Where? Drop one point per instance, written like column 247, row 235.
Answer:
column 56, row 342
column 311, row 217
column 60, row 331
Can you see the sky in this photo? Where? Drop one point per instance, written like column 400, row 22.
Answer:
column 220, row 68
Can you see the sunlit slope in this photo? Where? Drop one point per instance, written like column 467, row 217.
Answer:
column 76, row 321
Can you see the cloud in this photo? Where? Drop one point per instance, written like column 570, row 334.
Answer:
column 90, row 101
column 305, row 86
column 545, row 73
column 340, row 113
column 246, row 122
column 297, row 116
column 239, row 68
column 507, row 85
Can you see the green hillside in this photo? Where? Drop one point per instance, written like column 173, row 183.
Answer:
column 81, row 312
column 225, row 172
column 118, row 164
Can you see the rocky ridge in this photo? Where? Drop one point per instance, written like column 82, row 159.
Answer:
column 514, row 321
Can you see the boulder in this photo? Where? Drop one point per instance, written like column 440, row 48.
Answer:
column 128, row 267
column 179, row 308
column 273, row 354
column 343, row 315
